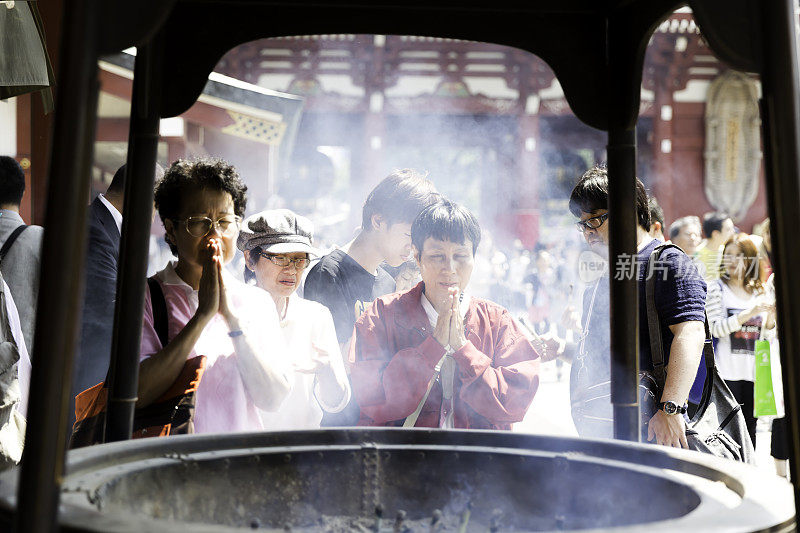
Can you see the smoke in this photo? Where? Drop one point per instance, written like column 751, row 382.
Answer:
column 512, row 161
column 478, row 139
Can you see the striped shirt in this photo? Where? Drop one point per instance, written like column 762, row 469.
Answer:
column 735, row 349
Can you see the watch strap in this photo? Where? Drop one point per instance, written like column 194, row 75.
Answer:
column 679, row 409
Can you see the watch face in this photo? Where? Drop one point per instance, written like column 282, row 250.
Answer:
column 670, row 408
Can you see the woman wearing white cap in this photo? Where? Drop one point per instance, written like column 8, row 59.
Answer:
column 276, row 246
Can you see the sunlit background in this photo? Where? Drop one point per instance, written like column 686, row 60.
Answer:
column 314, row 122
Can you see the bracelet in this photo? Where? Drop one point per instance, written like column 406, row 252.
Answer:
column 235, row 333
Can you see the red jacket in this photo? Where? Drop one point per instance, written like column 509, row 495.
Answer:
column 393, row 354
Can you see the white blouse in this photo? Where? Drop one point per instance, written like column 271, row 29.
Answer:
column 308, row 324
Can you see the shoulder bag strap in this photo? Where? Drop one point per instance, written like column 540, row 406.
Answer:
column 160, row 323
column 411, row 421
column 159, row 304
column 10, row 240
column 708, row 385
column 657, row 347
column 653, row 321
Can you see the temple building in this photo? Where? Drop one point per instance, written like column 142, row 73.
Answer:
column 312, row 122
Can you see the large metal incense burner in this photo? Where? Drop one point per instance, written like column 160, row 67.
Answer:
column 409, row 480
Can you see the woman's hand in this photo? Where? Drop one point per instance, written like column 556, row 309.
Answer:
column 209, row 289
column 320, row 361
column 224, row 306
column 764, row 307
column 548, row 346
column 457, row 338
column 442, row 330
column 757, row 309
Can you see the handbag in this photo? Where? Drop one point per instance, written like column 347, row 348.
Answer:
column 592, row 412
column 763, row 393
column 171, row 414
column 717, row 426
column 590, row 401
column 12, row 423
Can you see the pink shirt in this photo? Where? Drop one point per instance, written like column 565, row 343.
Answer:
column 222, row 401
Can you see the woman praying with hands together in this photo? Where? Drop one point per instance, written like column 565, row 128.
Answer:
column 209, row 313
column 433, row 356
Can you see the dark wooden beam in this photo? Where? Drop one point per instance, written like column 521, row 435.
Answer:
column 41, row 124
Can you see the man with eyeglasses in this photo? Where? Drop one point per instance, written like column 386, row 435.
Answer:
column 680, row 294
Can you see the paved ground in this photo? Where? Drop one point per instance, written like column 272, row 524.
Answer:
column 550, row 414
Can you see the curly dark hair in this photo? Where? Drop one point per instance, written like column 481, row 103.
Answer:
column 183, row 176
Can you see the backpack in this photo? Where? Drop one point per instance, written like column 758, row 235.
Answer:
column 171, row 414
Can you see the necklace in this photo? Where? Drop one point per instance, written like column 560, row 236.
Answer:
column 282, row 316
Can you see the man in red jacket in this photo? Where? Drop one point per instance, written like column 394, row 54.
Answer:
column 435, row 357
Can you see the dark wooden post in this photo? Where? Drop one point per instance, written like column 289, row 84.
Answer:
column 137, row 218
column 623, row 309
column 64, row 243
column 782, row 124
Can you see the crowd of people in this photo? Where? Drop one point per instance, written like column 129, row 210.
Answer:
column 419, row 321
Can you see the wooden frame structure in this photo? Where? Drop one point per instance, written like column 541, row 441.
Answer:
column 596, row 49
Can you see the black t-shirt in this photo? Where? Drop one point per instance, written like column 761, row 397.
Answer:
column 339, row 283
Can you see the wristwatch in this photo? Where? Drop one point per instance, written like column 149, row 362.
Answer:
column 671, row 408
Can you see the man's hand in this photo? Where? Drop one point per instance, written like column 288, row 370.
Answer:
column 547, row 346
column 668, row 430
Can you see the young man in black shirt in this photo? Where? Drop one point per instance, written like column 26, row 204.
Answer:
column 348, row 279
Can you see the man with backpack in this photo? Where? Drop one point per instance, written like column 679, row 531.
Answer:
column 679, row 299
column 20, row 247
column 673, row 334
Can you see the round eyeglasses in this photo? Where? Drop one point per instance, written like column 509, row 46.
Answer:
column 283, row 261
column 201, row 226
column 591, row 223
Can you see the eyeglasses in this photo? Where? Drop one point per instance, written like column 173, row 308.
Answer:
column 201, row 226
column 591, row 223
column 283, row 261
